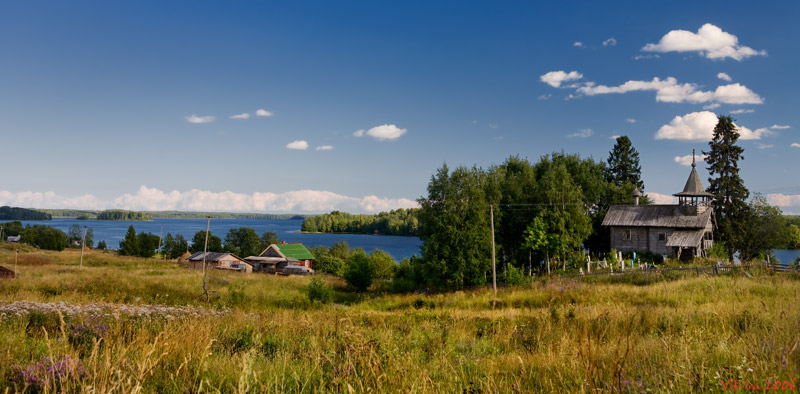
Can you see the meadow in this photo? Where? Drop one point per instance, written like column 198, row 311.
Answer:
column 134, row 325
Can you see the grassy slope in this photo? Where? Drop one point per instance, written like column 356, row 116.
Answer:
column 560, row 335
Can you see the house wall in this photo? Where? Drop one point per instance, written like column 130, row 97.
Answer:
column 656, row 245
column 225, row 262
column 637, row 242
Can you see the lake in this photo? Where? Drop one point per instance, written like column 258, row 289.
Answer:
column 287, row 229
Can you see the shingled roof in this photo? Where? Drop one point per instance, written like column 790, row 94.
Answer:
column 694, row 187
column 654, row 216
column 685, row 239
column 210, row 256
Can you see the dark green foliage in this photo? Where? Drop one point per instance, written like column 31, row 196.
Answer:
column 727, row 186
column 44, row 237
column 514, row 276
column 455, row 228
column 199, row 239
column 11, row 229
column 118, row 214
column 623, row 164
column 359, row 271
column 102, row 245
column 12, row 213
column 327, row 262
column 243, row 242
column 319, row 291
column 129, row 246
column 764, row 228
column 75, row 235
column 269, row 238
column 396, row 222
column 175, row 246
column 791, row 237
column 148, row 243
column 385, row 266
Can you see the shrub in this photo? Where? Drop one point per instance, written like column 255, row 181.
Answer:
column 359, row 272
column 513, row 276
column 320, row 291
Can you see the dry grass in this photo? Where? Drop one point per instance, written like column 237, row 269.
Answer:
column 567, row 335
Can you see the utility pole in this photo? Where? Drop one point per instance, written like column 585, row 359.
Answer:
column 159, row 240
column 494, row 267
column 205, row 252
column 83, row 244
column 16, row 270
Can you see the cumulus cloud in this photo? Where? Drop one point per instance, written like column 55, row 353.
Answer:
column 710, row 41
column 784, row 200
column 779, row 127
column 742, row 111
column 699, row 126
column 556, row 78
column 585, row 133
column 712, row 106
column 687, row 160
column 610, row 42
column 670, row 91
column 299, row 145
column 381, row 133
column 153, row 199
column 579, row 44
column 724, row 77
column 324, row 147
column 241, row 116
column 263, row 112
column 630, row 120
column 199, row 119
column 659, row 198
column 795, row 145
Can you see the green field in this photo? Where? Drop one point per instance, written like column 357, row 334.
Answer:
column 138, row 325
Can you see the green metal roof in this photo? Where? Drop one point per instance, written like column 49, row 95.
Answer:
column 297, row 251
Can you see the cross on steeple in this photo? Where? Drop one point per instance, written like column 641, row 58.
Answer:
column 693, row 165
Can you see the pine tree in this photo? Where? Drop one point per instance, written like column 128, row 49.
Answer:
column 730, row 194
column 623, row 164
column 129, row 246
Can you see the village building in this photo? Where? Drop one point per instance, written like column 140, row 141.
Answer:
column 6, row 273
column 684, row 230
column 217, row 260
column 287, row 258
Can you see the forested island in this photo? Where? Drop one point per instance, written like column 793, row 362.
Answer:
column 396, row 222
column 94, row 214
column 14, row 213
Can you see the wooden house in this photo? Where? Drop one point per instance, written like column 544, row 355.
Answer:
column 6, row 273
column 217, row 260
column 684, row 230
column 277, row 258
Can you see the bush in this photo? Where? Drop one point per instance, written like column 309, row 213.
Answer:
column 718, row 251
column 359, row 272
column 513, row 276
column 320, row 291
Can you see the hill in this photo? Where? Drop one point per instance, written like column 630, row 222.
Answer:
column 12, row 213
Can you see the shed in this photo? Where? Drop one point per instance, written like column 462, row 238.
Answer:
column 6, row 273
column 218, row 260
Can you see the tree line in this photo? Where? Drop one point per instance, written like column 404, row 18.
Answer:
column 396, row 222
column 119, row 214
column 241, row 241
column 14, row 213
column 47, row 237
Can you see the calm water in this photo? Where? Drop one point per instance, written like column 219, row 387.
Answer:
column 114, row 231
column 787, row 256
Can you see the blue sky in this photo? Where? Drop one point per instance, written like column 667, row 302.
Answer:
column 130, row 104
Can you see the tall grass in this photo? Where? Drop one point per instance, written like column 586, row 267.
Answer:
column 566, row 335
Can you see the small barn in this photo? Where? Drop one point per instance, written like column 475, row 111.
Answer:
column 218, row 260
column 6, row 273
column 684, row 230
column 283, row 258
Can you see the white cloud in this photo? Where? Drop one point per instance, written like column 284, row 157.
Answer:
column 152, row 199
column 579, row 44
column 614, row 137
column 651, row 56
column 662, row 199
column 544, row 97
column 724, row 77
column 263, row 112
column 585, row 133
column 670, row 91
column 795, row 145
column 699, row 126
column 241, row 116
column 611, row 41
column 492, row 126
column 784, row 200
column 710, row 41
column 779, row 127
column 199, row 119
column 381, row 133
column 712, row 106
column 556, row 78
column 324, row 147
column 630, row 120
column 687, row 160
column 764, row 146
column 299, row 145
column 742, row 111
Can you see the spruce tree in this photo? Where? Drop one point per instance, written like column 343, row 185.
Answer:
column 129, row 246
column 623, row 164
column 730, row 194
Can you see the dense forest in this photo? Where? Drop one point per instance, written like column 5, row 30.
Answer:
column 396, row 222
column 118, row 214
column 13, row 213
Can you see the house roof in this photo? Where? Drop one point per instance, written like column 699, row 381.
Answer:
column 210, row 256
column 292, row 251
column 5, row 271
column 694, row 186
column 654, row 216
column 686, row 239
